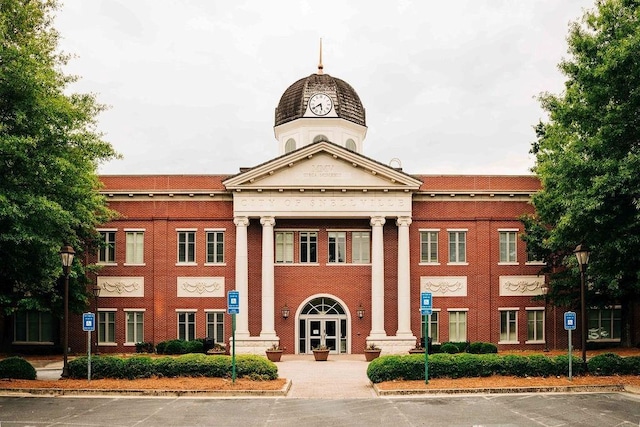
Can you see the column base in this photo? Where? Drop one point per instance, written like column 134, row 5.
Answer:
column 254, row 345
column 393, row 344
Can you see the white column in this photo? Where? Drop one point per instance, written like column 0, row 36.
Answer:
column 242, row 276
column 404, row 288
column 268, row 291
column 377, row 278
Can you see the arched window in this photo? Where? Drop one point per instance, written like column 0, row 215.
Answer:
column 320, row 137
column 350, row 144
column 323, row 305
column 290, row 145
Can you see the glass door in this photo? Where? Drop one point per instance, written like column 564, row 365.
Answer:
column 323, row 332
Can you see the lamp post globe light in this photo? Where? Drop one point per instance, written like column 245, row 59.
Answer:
column 582, row 254
column 66, row 255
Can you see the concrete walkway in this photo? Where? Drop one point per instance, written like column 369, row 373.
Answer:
column 340, row 377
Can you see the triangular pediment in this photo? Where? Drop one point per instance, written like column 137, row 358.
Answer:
column 322, row 166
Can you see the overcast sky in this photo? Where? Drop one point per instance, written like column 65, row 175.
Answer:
column 448, row 86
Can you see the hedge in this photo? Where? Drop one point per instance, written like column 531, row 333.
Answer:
column 17, row 368
column 442, row 365
column 189, row 365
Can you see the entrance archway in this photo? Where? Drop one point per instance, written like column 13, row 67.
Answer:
column 323, row 320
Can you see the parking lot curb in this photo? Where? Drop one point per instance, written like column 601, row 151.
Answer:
column 508, row 390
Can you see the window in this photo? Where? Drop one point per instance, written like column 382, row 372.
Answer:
column 604, row 324
column 215, row 247
column 535, row 325
column 509, row 326
column 135, row 326
column 186, row 246
column 290, row 145
column 106, row 327
column 32, row 326
column 360, row 247
column 284, row 247
column 350, row 145
column 186, row 325
column 457, row 326
column 457, row 246
column 337, row 246
column 434, row 329
column 135, row 247
column 215, row 326
column 308, row 246
column 508, row 246
column 319, row 138
column 107, row 252
column 429, row 246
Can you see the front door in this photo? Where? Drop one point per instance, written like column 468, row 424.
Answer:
column 323, row 332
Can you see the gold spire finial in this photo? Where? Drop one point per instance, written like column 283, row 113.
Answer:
column 320, row 67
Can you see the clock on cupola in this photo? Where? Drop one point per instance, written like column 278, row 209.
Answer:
column 317, row 108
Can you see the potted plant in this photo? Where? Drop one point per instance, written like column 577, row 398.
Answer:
column 274, row 353
column 321, row 353
column 217, row 349
column 371, row 351
column 419, row 348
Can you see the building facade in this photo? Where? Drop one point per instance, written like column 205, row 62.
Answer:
column 325, row 246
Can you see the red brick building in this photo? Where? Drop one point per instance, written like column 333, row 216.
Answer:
column 324, row 245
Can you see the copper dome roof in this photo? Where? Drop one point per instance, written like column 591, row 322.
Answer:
column 346, row 101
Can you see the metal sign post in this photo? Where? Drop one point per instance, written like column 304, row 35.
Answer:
column 570, row 325
column 426, row 307
column 89, row 325
column 233, row 308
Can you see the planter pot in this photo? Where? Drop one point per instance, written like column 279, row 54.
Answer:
column 217, row 352
column 321, row 355
column 416, row 351
column 274, row 355
column 371, row 354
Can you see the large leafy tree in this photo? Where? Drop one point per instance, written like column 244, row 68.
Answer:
column 49, row 153
column 588, row 160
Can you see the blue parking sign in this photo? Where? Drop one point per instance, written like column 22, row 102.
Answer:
column 88, row 322
column 569, row 321
column 233, row 302
column 426, row 303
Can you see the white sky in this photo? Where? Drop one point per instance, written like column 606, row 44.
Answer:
column 448, row 86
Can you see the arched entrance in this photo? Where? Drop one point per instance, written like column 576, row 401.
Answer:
column 323, row 321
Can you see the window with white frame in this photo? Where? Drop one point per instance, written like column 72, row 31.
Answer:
column 32, row 326
column 107, row 251
column 135, row 326
column 308, row 247
column 215, row 326
column 360, row 247
column 604, row 324
column 215, row 247
column 186, row 325
column 186, row 247
column 508, row 326
column 284, row 247
column 457, row 325
column 508, row 252
column 337, row 246
column 433, row 326
column 106, row 327
column 135, row 247
column 535, row 325
column 457, row 246
column 290, row 145
column 429, row 246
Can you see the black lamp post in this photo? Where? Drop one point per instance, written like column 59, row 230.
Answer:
column 66, row 255
column 582, row 253
column 545, row 292
column 96, row 294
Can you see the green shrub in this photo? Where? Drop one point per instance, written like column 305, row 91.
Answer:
column 562, row 365
column 17, row 368
column 541, row 366
column 632, row 365
column 101, row 367
column 387, row 368
column 482, row 348
column 161, row 347
column 175, row 347
column 138, row 367
column 463, row 346
column 254, row 367
column 195, row 346
column 145, row 347
column 606, row 364
column 449, row 348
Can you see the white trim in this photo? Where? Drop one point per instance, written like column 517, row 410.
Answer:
column 134, row 264
column 186, row 229
column 508, row 229
column 107, row 309
column 509, row 263
column 214, row 264
column 508, row 308
column 215, row 229
column 186, row 310
column 317, row 230
column 134, row 309
column 189, row 264
column 134, row 230
column 350, row 230
column 106, row 229
column 534, row 308
column 429, row 263
column 110, row 264
column 215, row 310
column 457, row 309
column 457, row 229
column 429, row 229
column 457, row 263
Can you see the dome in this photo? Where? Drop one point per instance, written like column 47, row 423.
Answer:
column 293, row 102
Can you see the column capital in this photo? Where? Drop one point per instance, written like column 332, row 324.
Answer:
column 403, row 221
column 267, row 221
column 377, row 221
column 241, row 221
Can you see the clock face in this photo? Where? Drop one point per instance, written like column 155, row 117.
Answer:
column 320, row 104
